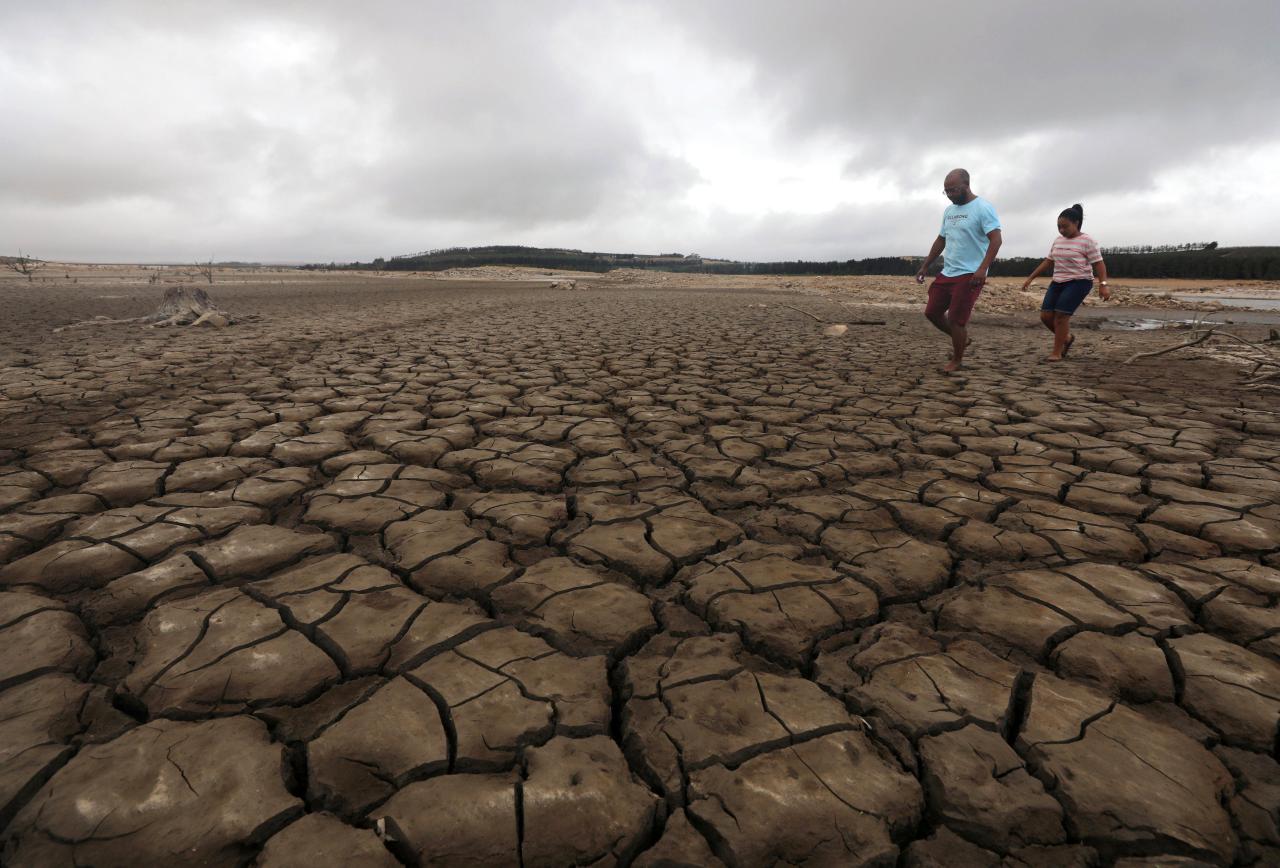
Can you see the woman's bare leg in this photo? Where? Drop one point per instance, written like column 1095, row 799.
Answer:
column 1061, row 334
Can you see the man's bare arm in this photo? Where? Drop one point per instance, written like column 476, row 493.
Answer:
column 995, row 239
column 934, row 252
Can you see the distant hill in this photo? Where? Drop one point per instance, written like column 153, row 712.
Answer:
column 537, row 257
column 1195, row 261
column 579, row 260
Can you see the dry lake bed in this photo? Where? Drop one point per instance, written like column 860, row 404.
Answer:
column 415, row 571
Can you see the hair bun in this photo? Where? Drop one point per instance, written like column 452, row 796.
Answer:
column 1075, row 214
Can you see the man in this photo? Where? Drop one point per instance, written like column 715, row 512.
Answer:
column 971, row 237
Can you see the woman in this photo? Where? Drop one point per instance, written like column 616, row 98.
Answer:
column 1075, row 259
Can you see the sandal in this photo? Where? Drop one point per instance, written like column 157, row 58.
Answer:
column 1067, row 348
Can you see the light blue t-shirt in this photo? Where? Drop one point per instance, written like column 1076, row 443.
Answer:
column 965, row 227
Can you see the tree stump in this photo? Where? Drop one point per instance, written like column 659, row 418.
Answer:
column 183, row 306
column 180, row 306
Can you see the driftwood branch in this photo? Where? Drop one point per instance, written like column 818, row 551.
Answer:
column 819, row 319
column 1255, row 353
column 1204, row 336
column 99, row 321
column 815, row 317
column 1260, row 359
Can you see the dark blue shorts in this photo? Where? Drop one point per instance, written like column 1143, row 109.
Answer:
column 1066, row 297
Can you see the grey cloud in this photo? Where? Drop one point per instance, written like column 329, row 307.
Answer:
column 307, row 130
column 528, row 183
column 1134, row 87
column 474, row 113
column 74, row 160
column 990, row 67
column 493, row 121
column 847, row 232
column 549, row 155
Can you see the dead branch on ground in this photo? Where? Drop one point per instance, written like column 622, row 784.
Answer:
column 829, row 322
column 1262, row 358
column 1204, row 336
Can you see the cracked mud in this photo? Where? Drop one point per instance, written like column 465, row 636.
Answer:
column 436, row 573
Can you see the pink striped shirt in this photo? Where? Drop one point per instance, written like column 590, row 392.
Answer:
column 1073, row 257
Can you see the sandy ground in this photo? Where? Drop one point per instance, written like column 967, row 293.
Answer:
column 418, row 570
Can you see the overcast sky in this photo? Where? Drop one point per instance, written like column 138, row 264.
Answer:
column 317, row 131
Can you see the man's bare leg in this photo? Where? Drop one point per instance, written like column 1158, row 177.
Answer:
column 1046, row 319
column 959, row 340
column 943, row 325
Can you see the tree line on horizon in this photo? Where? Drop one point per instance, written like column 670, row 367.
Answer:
column 1201, row 260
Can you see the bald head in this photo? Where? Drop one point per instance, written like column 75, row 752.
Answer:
column 956, row 186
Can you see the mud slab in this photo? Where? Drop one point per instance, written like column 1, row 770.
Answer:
column 454, row 573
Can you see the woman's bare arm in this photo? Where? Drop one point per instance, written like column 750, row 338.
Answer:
column 1100, row 272
column 1039, row 270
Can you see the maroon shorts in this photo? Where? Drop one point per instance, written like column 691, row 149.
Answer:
column 952, row 296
